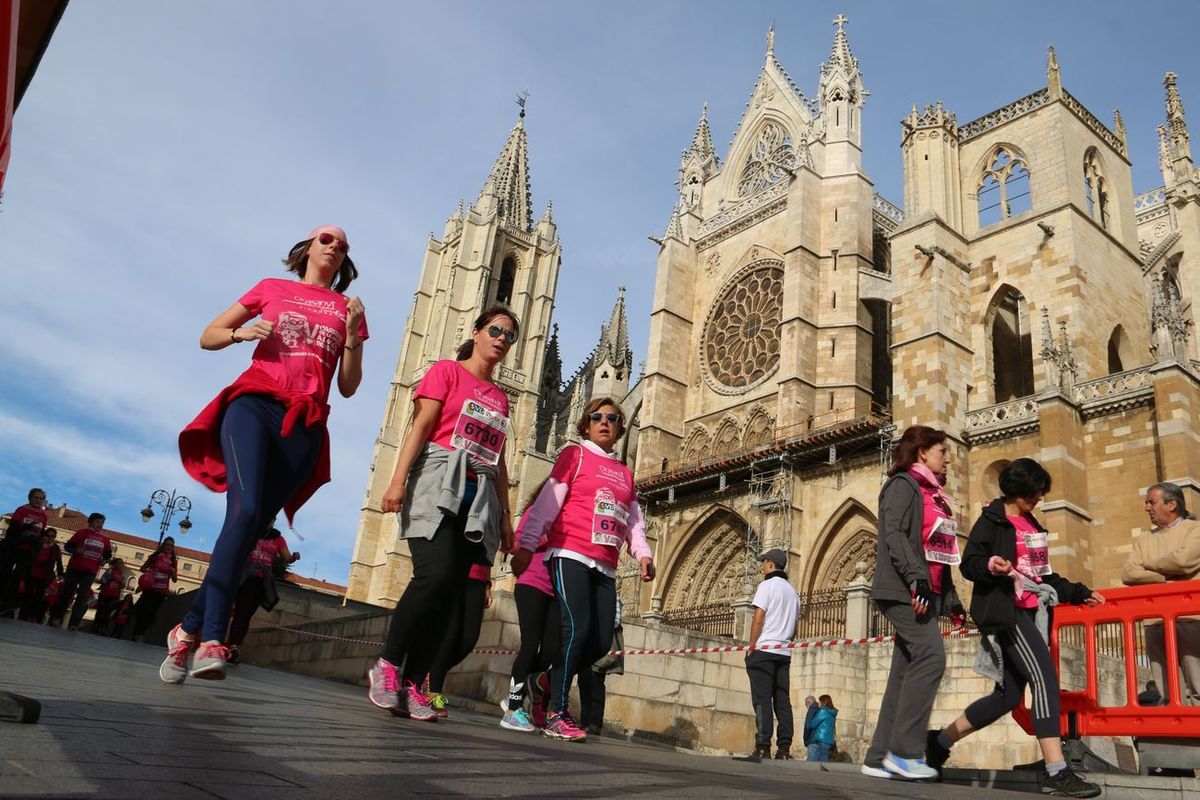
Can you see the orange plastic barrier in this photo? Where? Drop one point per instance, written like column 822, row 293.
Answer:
column 1082, row 713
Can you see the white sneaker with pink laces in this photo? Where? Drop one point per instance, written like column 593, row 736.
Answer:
column 179, row 652
column 383, row 685
column 209, row 662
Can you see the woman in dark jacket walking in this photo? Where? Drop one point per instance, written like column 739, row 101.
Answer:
column 918, row 542
column 1007, row 558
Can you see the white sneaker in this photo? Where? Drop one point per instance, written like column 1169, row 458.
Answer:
column 875, row 772
column 384, row 685
column 179, row 650
column 915, row 769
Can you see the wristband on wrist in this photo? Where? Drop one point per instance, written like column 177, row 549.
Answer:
column 352, row 348
column 232, row 331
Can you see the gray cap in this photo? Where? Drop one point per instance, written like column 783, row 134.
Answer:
column 775, row 556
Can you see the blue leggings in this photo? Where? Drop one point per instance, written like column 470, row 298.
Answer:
column 264, row 469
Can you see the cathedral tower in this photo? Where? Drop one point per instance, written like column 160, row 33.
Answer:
column 491, row 252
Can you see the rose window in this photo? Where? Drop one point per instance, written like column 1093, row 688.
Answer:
column 741, row 340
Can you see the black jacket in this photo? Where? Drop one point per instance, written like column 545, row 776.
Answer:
column 993, row 602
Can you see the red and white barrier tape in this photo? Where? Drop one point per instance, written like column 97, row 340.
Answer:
column 677, row 651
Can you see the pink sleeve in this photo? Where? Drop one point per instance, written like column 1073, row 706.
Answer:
column 639, row 548
column 254, row 299
column 436, row 383
column 541, row 515
column 363, row 333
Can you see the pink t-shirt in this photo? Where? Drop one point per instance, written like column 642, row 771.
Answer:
column 588, row 507
column 536, row 575
column 112, row 582
column 480, row 572
column 90, row 547
column 1024, row 565
column 160, row 570
column 43, row 561
column 30, row 521
column 265, row 550
column 302, row 352
column 474, row 414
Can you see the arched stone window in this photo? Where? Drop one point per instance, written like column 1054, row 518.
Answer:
column 1003, row 190
column 715, row 565
column 504, row 288
column 696, row 447
column 1120, row 352
column 726, row 438
column 771, row 160
column 1012, row 346
column 759, row 429
column 1095, row 188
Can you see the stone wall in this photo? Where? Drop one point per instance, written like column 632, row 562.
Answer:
column 700, row 702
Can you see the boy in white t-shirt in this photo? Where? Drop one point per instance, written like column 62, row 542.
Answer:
column 776, row 608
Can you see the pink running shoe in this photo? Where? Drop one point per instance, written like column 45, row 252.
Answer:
column 209, row 662
column 383, row 688
column 414, row 704
column 562, row 726
column 179, row 652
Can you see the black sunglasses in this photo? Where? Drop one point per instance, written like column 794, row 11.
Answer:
column 596, row 416
column 495, row 331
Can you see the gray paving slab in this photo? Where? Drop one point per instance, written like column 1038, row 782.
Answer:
column 111, row 729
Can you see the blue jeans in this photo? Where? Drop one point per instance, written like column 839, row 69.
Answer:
column 819, row 751
column 264, row 469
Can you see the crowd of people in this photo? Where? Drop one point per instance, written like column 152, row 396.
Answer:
column 263, row 441
column 35, row 586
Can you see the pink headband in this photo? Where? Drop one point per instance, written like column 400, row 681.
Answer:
column 334, row 229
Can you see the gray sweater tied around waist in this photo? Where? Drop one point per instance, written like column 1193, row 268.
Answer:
column 436, row 487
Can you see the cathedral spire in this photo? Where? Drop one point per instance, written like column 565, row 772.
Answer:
column 508, row 182
column 614, row 337
column 1053, row 76
column 1176, row 122
column 702, row 144
column 840, row 54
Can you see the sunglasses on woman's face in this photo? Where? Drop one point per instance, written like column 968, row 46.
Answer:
column 596, row 416
column 328, row 238
column 495, row 331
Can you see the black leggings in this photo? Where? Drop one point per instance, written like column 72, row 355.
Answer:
column 587, row 600
column 249, row 597
column 422, row 615
column 466, row 618
column 1026, row 663
column 145, row 610
column 541, row 633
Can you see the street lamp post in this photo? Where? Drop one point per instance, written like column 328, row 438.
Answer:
column 170, row 503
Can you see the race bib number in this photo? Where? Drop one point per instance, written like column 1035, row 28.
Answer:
column 93, row 548
column 480, row 431
column 609, row 519
column 161, row 581
column 1037, row 549
column 942, row 545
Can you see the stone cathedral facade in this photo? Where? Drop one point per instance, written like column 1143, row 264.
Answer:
column 1021, row 296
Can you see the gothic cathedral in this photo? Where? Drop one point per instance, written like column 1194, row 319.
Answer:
column 1024, row 299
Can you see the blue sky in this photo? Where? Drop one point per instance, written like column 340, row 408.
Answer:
column 168, row 154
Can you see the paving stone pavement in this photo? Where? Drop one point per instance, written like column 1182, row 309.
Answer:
column 111, row 729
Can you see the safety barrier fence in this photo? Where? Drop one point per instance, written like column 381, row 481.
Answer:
column 1117, row 645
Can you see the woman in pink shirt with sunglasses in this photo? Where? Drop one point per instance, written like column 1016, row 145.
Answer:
column 263, row 439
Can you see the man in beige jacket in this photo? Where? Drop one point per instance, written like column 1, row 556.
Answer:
column 1170, row 552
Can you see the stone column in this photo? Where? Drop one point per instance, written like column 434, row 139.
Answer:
column 858, row 603
column 743, row 618
column 655, row 613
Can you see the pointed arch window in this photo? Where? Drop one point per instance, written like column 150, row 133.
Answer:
column 771, row 160
column 504, row 287
column 1012, row 347
column 1095, row 188
column 1119, row 351
column 1003, row 190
